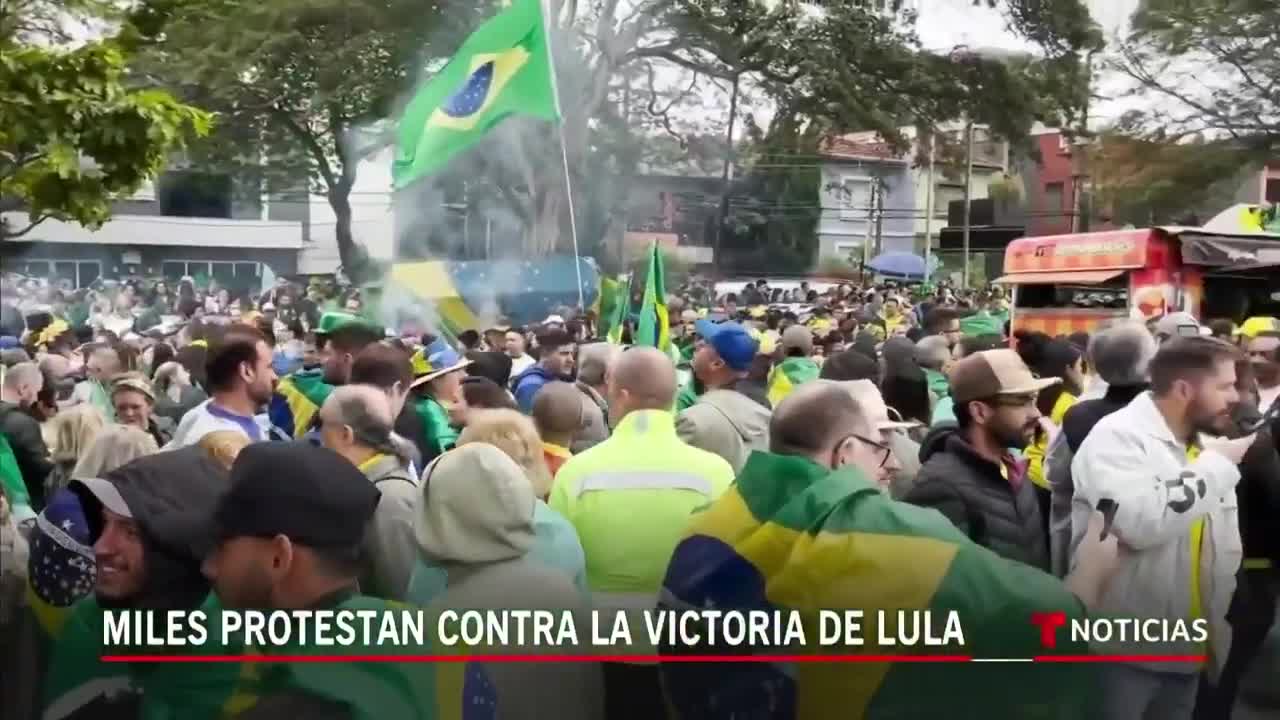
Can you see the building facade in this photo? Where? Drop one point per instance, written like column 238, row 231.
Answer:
column 867, row 198
column 203, row 225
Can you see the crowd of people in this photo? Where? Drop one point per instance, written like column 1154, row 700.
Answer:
column 178, row 449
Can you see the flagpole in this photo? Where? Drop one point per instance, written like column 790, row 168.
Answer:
column 564, row 153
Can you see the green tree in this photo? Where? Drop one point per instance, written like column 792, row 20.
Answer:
column 1207, row 68
column 1144, row 182
column 301, row 87
column 76, row 132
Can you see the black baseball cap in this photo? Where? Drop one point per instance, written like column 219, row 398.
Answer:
column 308, row 493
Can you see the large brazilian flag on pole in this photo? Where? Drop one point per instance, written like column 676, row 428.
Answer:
column 504, row 68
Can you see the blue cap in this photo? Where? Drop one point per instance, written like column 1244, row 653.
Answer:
column 731, row 342
column 9, row 342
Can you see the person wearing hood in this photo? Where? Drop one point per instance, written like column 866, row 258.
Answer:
column 968, row 473
column 1120, row 356
column 356, row 422
column 557, row 350
column 438, row 372
column 149, row 525
column 477, row 521
column 797, row 367
column 275, row 552
column 730, row 418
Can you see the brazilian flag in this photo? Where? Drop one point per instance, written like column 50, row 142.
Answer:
column 790, row 374
column 615, row 301
column 504, row 68
column 654, row 327
column 792, row 535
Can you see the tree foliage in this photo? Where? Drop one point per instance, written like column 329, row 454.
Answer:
column 1145, row 182
column 1209, row 67
column 76, row 133
column 295, row 82
column 300, row 86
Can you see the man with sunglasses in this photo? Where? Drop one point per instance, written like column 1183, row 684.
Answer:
column 968, row 472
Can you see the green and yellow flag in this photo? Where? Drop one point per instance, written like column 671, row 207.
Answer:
column 654, row 327
column 793, row 536
column 504, row 68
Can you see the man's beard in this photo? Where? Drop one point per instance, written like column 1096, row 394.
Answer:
column 1203, row 421
column 1014, row 437
column 1268, row 374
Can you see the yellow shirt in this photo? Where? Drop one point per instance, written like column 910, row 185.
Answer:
column 1197, row 546
column 1035, row 451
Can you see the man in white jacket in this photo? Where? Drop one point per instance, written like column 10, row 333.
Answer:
column 1173, row 480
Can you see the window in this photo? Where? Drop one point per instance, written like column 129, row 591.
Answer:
column 855, row 200
column 1111, row 295
column 1273, row 190
column 1054, row 193
column 943, row 196
column 228, row 274
column 79, row 273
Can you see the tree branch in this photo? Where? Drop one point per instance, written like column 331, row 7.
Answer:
column 7, row 235
column 323, row 166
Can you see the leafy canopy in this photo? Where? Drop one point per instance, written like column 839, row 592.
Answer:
column 76, row 133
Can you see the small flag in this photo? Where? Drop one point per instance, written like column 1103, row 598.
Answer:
column 654, row 328
column 502, row 69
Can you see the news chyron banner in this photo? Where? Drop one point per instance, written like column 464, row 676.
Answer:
column 835, row 662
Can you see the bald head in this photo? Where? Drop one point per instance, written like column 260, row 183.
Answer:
column 557, row 412
column 643, row 378
column 362, row 408
column 813, row 420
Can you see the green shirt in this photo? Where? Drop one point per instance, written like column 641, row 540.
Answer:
column 439, row 433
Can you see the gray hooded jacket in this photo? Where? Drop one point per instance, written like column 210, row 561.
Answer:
column 476, row 522
column 729, row 423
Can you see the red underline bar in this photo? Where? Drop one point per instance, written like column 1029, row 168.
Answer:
column 644, row 659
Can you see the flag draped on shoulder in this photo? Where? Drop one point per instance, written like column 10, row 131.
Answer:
column 504, row 68
column 793, row 536
column 654, row 327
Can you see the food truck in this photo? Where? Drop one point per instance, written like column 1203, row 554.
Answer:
column 1073, row 283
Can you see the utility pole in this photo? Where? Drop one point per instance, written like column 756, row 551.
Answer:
column 879, row 209
column 968, row 191
column 873, row 201
column 727, row 175
column 928, row 204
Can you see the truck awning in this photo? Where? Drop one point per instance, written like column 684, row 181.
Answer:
column 1064, row 277
column 1225, row 252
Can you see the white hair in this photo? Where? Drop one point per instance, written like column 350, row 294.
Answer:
column 24, row 373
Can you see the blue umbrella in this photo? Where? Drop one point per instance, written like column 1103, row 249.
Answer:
column 899, row 264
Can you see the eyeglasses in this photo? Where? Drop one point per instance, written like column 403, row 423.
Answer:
column 1007, row 401
column 883, row 448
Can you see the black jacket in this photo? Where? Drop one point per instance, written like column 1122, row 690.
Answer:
column 1258, row 491
column 970, row 491
column 23, row 433
column 1082, row 416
